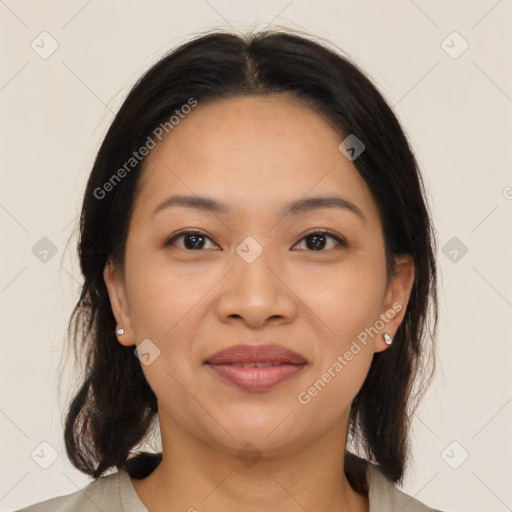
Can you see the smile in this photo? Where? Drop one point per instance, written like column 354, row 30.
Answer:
column 256, row 376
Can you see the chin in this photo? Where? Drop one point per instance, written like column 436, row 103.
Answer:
column 255, row 444
column 267, row 433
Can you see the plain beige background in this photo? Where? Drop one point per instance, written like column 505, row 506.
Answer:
column 454, row 102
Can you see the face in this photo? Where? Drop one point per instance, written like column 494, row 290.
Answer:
column 254, row 271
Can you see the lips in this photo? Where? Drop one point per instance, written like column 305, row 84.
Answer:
column 256, row 367
column 245, row 354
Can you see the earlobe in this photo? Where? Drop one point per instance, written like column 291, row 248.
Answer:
column 119, row 304
column 396, row 300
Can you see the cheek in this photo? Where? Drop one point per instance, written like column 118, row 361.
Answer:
column 331, row 391
column 162, row 298
column 344, row 300
column 167, row 306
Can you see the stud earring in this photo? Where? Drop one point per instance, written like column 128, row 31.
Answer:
column 120, row 331
column 387, row 338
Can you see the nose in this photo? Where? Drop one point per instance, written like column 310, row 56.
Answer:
column 256, row 293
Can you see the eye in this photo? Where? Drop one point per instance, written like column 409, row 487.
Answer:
column 196, row 241
column 192, row 240
column 316, row 241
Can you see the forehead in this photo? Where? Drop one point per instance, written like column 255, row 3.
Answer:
column 251, row 151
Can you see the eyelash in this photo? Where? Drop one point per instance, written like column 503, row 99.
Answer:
column 341, row 241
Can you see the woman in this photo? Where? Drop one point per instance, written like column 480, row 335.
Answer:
column 259, row 269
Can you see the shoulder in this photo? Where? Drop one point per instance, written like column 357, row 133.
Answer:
column 385, row 497
column 113, row 493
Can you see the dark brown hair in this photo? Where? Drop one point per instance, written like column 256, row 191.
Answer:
column 114, row 405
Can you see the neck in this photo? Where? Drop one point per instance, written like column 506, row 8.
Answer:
column 194, row 475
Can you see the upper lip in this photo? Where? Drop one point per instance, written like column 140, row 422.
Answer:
column 256, row 354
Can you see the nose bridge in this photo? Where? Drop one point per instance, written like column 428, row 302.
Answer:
column 255, row 290
column 254, row 268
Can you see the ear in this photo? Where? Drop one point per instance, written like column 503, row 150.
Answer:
column 119, row 302
column 396, row 299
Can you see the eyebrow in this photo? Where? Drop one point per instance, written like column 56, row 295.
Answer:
column 293, row 207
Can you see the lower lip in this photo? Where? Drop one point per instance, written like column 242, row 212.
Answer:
column 257, row 379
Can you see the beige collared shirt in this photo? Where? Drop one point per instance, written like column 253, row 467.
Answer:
column 115, row 493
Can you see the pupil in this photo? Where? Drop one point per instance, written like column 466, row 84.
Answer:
column 315, row 239
column 190, row 241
